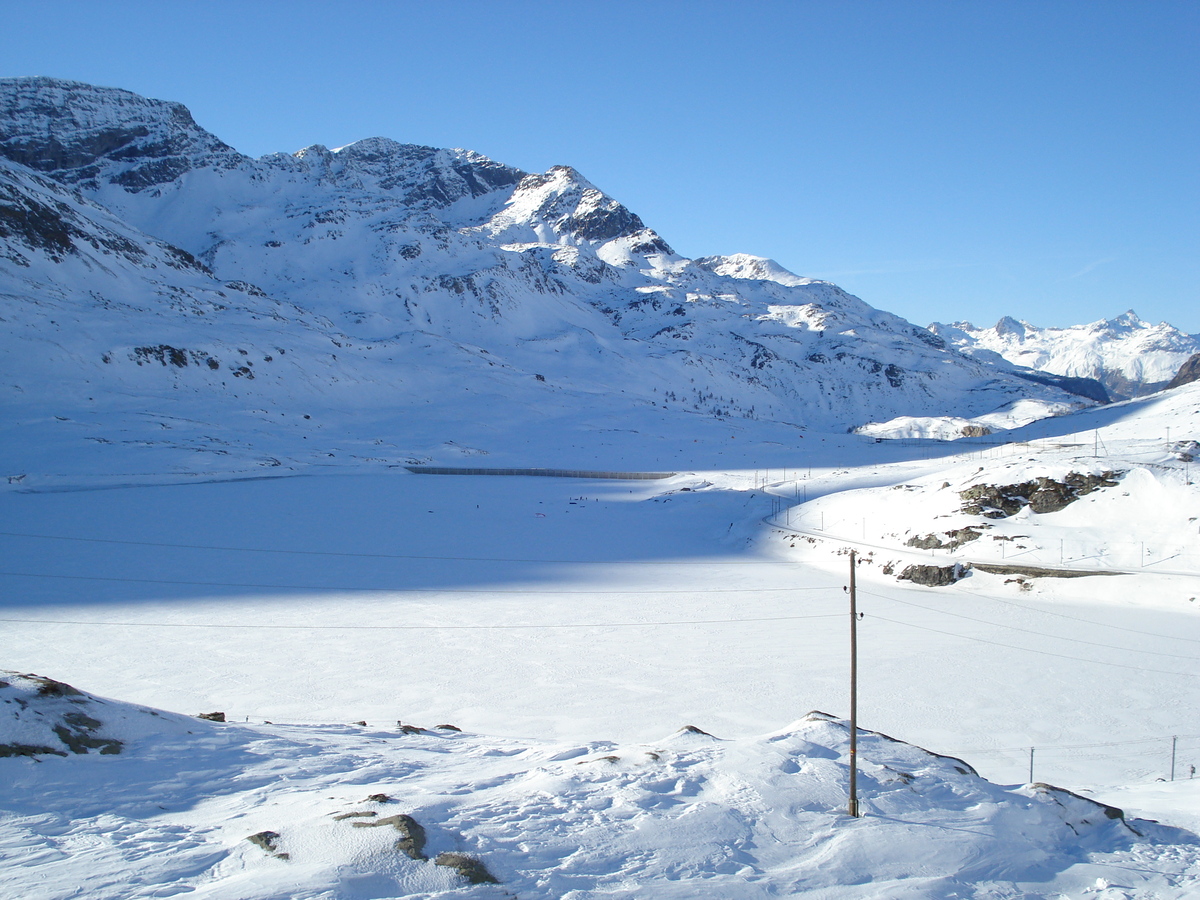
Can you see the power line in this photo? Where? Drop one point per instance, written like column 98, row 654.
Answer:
column 418, row 627
column 1031, row 631
column 396, row 590
column 635, row 562
column 1040, row 652
column 1040, row 747
column 1047, row 612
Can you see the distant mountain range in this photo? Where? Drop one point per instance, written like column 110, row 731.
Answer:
column 144, row 262
column 1129, row 356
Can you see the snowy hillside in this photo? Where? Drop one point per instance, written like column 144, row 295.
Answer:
column 1129, row 356
column 373, row 811
column 388, row 277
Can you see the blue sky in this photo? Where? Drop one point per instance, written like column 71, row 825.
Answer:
column 942, row 160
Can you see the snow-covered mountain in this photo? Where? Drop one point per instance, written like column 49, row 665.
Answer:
column 1129, row 356
column 145, row 259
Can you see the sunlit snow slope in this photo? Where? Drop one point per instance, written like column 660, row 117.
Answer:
column 263, row 812
column 412, row 286
column 1129, row 356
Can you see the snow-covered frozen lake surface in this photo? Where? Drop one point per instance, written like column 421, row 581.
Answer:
column 570, row 628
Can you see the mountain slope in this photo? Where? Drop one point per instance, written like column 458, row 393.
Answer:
column 1129, row 356
column 381, row 275
column 1188, row 372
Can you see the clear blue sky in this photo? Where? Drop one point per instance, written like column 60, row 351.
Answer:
column 942, row 160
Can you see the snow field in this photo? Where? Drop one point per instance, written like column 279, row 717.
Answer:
column 464, row 637
column 385, row 597
column 688, row 812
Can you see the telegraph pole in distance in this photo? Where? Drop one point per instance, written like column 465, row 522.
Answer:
column 853, row 807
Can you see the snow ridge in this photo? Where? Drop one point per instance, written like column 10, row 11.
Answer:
column 1129, row 356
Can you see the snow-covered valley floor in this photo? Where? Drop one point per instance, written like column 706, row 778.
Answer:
column 570, row 628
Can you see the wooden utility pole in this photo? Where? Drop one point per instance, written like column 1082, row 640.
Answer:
column 853, row 808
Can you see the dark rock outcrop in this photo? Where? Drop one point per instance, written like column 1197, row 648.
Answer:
column 54, row 707
column 957, row 537
column 1188, row 372
column 470, row 868
column 1042, row 495
column 72, row 130
column 412, row 835
column 268, row 841
column 934, row 576
column 1089, row 388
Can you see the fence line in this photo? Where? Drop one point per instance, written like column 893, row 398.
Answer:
column 1174, row 757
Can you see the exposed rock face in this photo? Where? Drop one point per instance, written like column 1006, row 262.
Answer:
column 51, row 221
column 412, row 834
column 1091, row 388
column 1188, row 372
column 52, row 707
column 955, row 538
column 424, row 175
column 470, row 868
column 573, row 205
column 434, row 258
column 72, row 130
column 268, row 841
column 1042, row 495
column 934, row 576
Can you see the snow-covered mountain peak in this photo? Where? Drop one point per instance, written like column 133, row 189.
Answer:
column 561, row 206
column 81, row 134
column 1007, row 326
column 1128, row 355
column 751, row 268
column 380, row 259
column 1127, row 319
column 424, row 175
column 316, row 153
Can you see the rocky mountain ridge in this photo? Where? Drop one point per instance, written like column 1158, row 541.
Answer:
column 1129, row 356
column 372, row 273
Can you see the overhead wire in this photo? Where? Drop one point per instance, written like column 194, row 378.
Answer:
column 1049, row 612
column 1098, row 662
column 499, row 627
column 497, row 591
column 1028, row 630
column 405, row 590
column 623, row 562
